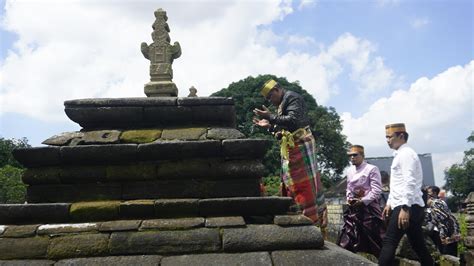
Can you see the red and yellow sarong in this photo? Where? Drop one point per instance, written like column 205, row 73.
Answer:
column 299, row 172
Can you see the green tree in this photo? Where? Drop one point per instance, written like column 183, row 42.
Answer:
column 460, row 177
column 12, row 189
column 6, row 148
column 325, row 124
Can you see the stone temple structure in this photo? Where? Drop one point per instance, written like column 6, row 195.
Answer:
column 155, row 181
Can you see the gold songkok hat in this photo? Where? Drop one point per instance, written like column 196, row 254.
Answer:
column 267, row 87
column 356, row 149
column 392, row 128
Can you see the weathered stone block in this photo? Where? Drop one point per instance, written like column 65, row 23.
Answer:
column 191, row 189
column 140, row 135
column 20, row 231
column 38, row 156
column 245, row 148
column 167, row 115
column 2, row 229
column 99, row 154
column 131, row 172
column 230, row 221
column 271, row 237
column 73, row 174
column 176, row 207
column 63, row 139
column 105, row 117
column 61, row 229
column 218, row 115
column 123, row 225
column 23, row 248
column 172, row 224
column 251, row 258
column 26, row 262
column 244, row 206
column 210, row 169
column 142, row 260
column 73, row 193
column 239, row 169
column 101, row 136
column 163, row 242
column 330, row 254
column 42, row 175
column 285, row 220
column 199, row 101
column 197, row 133
column 169, row 150
column 224, row 133
column 469, row 241
column 186, row 169
column 95, row 210
column 83, row 245
column 34, row 213
column 137, row 209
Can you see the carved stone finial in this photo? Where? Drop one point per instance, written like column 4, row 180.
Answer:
column 161, row 55
column 192, row 92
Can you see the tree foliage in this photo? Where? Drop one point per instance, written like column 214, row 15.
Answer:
column 460, row 177
column 6, row 148
column 325, row 124
column 12, row 189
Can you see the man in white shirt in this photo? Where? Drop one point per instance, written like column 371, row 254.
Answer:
column 405, row 204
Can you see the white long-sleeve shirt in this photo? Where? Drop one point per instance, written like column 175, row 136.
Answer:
column 406, row 178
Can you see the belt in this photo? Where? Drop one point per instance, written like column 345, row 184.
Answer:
column 288, row 139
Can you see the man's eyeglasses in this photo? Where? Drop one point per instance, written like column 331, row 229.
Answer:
column 353, row 155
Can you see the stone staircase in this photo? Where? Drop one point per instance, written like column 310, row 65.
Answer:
column 155, row 181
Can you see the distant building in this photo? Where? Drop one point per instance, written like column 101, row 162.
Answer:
column 384, row 163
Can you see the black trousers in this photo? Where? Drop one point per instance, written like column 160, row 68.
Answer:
column 414, row 233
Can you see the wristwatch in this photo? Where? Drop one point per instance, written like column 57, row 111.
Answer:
column 405, row 208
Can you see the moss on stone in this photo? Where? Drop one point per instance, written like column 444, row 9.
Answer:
column 140, row 135
column 83, row 245
column 192, row 133
column 94, row 210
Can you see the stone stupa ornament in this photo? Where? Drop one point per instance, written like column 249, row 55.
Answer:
column 161, row 55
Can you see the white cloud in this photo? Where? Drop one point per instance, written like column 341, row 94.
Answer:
column 419, row 23
column 442, row 161
column 92, row 49
column 430, row 108
column 306, row 3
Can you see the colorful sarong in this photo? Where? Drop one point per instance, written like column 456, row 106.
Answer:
column 363, row 229
column 299, row 173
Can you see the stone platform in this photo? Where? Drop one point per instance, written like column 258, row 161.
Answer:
column 144, row 112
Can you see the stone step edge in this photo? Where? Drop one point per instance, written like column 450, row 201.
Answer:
column 135, row 209
column 155, row 242
column 163, row 150
column 149, row 101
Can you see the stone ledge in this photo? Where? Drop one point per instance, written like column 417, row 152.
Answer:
column 38, row 156
column 229, row 221
column 241, row 206
column 26, row 262
column 212, row 259
column 73, row 193
column 330, row 254
column 34, row 213
column 285, row 220
column 64, row 229
column 20, row 231
column 172, row 224
column 82, row 245
column 24, row 248
column 165, row 242
column 245, row 148
column 271, row 237
column 142, row 260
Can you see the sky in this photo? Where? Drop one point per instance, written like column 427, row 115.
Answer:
column 376, row 62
